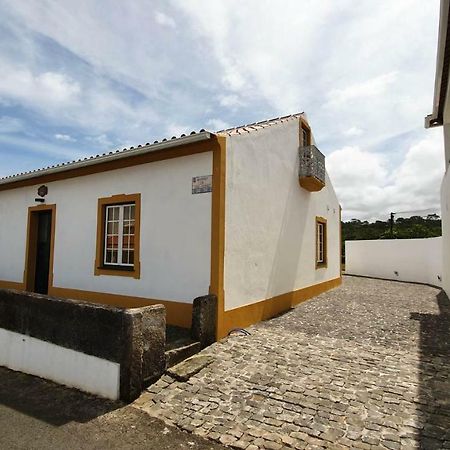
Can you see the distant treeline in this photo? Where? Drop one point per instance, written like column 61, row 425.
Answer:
column 412, row 227
column 401, row 228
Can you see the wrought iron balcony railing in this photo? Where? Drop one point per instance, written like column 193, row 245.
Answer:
column 311, row 168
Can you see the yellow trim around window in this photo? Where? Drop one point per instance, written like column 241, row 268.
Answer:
column 99, row 268
column 322, row 264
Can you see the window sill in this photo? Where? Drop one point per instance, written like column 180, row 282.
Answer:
column 119, row 271
column 322, row 265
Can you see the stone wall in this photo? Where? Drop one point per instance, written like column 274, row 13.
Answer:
column 130, row 341
column 204, row 320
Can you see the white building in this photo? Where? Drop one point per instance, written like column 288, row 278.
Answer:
column 441, row 116
column 247, row 214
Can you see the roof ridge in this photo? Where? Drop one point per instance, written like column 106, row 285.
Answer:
column 260, row 124
column 248, row 128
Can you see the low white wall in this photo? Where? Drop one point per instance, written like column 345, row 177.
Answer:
column 62, row 365
column 445, row 213
column 416, row 260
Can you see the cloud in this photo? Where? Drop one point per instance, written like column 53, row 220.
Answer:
column 164, row 20
column 231, row 101
column 354, row 131
column 418, row 179
column 64, row 137
column 175, row 129
column 218, row 124
column 369, row 187
column 90, row 103
column 11, row 124
column 366, row 89
column 101, row 140
column 141, row 70
column 50, row 151
column 333, row 61
column 49, row 88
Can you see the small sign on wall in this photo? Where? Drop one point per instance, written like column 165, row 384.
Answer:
column 201, row 185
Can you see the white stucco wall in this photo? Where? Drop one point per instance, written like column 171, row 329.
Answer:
column 175, row 229
column 13, row 230
column 62, row 365
column 445, row 215
column 270, row 241
column 416, row 260
column 445, row 200
column 446, row 130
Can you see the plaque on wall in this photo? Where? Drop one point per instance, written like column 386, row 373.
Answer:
column 202, row 184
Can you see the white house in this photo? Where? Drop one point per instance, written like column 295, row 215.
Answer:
column 441, row 116
column 247, row 214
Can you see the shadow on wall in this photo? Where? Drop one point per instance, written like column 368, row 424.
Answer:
column 287, row 255
column 50, row 402
column 434, row 372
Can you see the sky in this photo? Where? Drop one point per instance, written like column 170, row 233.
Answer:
column 83, row 77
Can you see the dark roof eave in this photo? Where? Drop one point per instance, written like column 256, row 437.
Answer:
column 442, row 69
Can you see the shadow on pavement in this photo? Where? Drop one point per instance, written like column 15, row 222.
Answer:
column 50, row 402
column 434, row 372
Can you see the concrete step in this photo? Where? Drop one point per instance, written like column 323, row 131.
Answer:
column 178, row 354
column 184, row 370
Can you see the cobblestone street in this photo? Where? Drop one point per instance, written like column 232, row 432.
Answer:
column 364, row 366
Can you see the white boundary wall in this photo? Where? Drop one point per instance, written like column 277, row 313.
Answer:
column 415, row 260
column 62, row 365
column 445, row 212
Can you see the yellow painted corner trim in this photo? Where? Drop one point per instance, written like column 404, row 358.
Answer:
column 177, row 313
column 218, row 227
column 115, row 200
column 265, row 309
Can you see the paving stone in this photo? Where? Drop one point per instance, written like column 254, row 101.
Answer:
column 240, row 444
column 370, row 439
column 362, row 366
column 332, row 435
column 391, row 444
column 227, row 439
column 270, row 445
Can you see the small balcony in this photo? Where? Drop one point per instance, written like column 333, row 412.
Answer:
column 311, row 171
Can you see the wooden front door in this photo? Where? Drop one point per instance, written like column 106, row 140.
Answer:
column 44, row 236
column 40, row 249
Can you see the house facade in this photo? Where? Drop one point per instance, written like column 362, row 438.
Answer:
column 247, row 214
column 441, row 117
